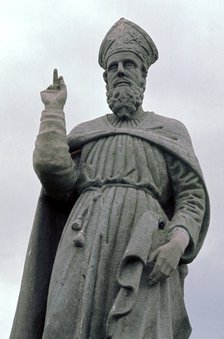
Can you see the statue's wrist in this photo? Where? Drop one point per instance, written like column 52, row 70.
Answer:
column 54, row 107
column 180, row 238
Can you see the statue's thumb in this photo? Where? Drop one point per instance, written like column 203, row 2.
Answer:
column 153, row 255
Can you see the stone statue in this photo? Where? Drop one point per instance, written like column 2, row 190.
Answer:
column 122, row 211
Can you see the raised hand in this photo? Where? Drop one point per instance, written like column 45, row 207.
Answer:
column 54, row 97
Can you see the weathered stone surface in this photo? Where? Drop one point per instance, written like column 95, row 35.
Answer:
column 122, row 211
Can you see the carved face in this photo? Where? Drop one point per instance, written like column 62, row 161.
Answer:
column 125, row 80
column 124, row 68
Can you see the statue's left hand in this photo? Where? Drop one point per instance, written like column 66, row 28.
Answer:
column 54, row 97
column 167, row 257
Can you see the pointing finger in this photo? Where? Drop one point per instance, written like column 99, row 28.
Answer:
column 55, row 77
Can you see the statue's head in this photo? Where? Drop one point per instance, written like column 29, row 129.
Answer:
column 125, row 54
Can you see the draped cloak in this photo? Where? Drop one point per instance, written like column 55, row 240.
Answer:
column 111, row 295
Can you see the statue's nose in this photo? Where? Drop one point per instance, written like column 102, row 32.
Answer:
column 120, row 70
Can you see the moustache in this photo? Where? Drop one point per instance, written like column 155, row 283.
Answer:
column 121, row 82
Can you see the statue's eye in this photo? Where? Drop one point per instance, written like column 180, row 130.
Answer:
column 112, row 68
column 129, row 65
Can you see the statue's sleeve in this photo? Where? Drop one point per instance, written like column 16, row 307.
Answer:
column 189, row 197
column 52, row 161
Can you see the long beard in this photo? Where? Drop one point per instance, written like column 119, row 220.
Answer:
column 125, row 100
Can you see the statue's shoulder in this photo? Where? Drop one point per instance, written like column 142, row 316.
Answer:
column 91, row 125
column 167, row 125
column 160, row 124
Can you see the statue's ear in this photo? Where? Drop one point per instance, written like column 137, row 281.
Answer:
column 105, row 76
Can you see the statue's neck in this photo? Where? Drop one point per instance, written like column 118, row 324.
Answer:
column 125, row 114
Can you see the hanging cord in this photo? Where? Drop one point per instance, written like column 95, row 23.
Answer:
column 79, row 240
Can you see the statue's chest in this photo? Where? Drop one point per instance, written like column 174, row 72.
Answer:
column 123, row 156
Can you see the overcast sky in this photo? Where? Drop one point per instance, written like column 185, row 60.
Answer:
column 186, row 83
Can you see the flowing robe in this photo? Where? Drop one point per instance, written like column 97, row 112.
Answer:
column 119, row 179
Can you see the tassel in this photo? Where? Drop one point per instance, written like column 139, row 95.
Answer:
column 79, row 240
column 77, row 225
